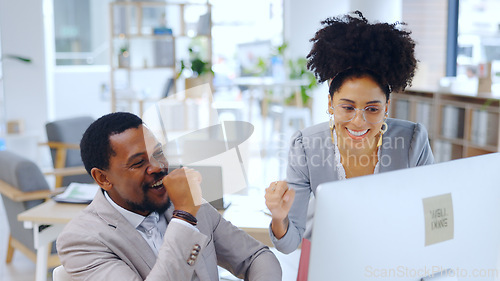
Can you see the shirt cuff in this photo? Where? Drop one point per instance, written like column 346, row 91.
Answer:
column 286, row 243
column 273, row 238
column 175, row 220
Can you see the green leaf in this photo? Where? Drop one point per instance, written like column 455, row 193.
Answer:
column 23, row 59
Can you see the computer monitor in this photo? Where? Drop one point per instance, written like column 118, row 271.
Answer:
column 440, row 221
column 211, row 186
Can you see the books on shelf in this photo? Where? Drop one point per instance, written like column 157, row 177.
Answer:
column 402, row 110
column 424, row 114
column 203, row 27
column 446, row 151
column 479, row 129
column 492, row 133
column 467, row 126
column 484, row 128
column 162, row 30
column 164, row 53
column 441, row 151
column 452, row 123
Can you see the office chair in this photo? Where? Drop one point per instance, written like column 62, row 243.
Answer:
column 22, row 186
column 64, row 141
column 60, row 274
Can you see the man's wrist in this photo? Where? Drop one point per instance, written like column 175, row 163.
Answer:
column 193, row 210
column 185, row 216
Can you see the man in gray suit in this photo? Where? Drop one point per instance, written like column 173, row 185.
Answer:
column 111, row 239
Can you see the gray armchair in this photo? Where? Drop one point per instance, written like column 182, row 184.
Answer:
column 64, row 141
column 22, row 186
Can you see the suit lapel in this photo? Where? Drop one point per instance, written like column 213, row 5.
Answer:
column 133, row 241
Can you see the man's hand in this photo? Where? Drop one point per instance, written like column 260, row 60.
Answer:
column 184, row 190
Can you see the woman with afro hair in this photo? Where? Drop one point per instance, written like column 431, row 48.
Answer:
column 363, row 63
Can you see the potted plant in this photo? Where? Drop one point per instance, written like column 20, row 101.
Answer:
column 199, row 70
column 124, row 57
column 16, row 57
column 298, row 70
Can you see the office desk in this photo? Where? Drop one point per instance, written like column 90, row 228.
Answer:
column 246, row 212
column 57, row 215
column 49, row 213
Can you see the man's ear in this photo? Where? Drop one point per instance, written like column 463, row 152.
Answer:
column 101, row 178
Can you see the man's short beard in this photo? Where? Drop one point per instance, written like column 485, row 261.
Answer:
column 147, row 206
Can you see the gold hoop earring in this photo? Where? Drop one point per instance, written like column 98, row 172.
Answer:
column 331, row 124
column 383, row 129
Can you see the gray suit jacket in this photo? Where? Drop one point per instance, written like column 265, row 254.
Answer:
column 311, row 161
column 100, row 244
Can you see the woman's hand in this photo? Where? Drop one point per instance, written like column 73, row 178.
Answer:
column 279, row 199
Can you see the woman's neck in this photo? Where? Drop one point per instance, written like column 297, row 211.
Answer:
column 358, row 161
column 361, row 150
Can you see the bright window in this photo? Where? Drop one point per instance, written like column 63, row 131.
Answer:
column 81, row 31
column 478, row 36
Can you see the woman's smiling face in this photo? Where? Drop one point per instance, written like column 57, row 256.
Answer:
column 358, row 93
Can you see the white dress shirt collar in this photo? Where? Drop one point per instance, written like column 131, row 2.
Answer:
column 134, row 219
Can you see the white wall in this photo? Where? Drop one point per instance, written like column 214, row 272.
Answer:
column 25, row 86
column 99, row 20
column 427, row 19
column 380, row 10
column 77, row 92
column 302, row 20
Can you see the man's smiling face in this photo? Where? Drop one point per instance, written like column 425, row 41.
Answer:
column 135, row 176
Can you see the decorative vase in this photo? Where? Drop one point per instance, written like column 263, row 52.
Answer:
column 200, row 80
column 124, row 60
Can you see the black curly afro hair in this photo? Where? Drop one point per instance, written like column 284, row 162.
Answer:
column 348, row 46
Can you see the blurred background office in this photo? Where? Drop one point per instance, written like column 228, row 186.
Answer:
column 62, row 59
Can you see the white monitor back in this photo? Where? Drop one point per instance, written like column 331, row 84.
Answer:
column 373, row 227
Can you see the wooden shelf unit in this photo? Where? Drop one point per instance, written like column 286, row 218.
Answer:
column 458, row 125
column 131, row 23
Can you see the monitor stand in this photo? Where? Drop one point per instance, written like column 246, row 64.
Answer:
column 445, row 275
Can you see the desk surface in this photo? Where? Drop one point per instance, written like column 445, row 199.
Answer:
column 51, row 212
column 243, row 212
column 246, row 212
